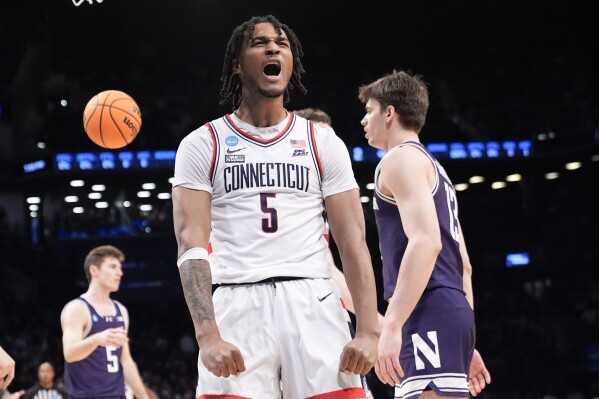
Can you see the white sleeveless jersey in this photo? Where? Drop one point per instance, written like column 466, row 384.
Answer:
column 267, row 194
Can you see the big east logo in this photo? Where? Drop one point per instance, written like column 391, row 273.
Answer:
column 299, row 152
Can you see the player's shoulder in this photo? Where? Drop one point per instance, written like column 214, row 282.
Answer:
column 200, row 137
column 75, row 303
column 405, row 152
column 75, row 307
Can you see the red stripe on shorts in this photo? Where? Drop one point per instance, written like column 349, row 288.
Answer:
column 350, row 393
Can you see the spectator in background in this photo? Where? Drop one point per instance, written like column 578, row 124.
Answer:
column 45, row 387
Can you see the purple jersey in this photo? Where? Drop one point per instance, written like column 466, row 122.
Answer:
column 100, row 375
column 393, row 240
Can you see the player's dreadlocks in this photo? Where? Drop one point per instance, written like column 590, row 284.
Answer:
column 231, row 90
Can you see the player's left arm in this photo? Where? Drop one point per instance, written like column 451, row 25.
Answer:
column 467, row 274
column 339, row 280
column 130, row 370
column 479, row 376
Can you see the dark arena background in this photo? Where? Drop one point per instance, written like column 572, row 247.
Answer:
column 514, row 118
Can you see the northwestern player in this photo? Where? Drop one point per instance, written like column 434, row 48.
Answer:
column 94, row 334
column 428, row 336
column 253, row 184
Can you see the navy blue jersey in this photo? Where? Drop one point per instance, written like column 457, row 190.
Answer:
column 393, row 240
column 100, row 375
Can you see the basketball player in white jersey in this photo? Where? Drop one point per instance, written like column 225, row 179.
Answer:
column 253, row 184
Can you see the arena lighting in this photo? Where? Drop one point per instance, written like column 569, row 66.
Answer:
column 71, row 198
column 34, row 200
column 476, row 179
column 364, row 199
column 164, row 196
column 34, row 166
column 497, row 185
column 514, row 177
column 94, row 196
column 34, row 208
column 33, row 214
column 78, row 209
column 171, row 180
column 145, row 159
column 551, row 175
column 98, row 187
column 148, row 186
column 461, row 186
column 145, row 207
column 573, row 165
column 126, row 204
column 77, row 183
column 41, row 145
column 143, row 194
column 517, row 259
column 102, row 204
column 595, row 158
column 370, row 186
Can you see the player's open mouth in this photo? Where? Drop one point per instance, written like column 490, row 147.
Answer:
column 272, row 70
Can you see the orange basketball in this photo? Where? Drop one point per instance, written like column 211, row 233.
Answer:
column 112, row 119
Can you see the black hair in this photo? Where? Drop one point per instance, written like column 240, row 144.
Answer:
column 231, row 89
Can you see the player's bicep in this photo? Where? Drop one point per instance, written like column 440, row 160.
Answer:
column 338, row 175
column 405, row 175
column 73, row 320
column 345, row 216
column 191, row 218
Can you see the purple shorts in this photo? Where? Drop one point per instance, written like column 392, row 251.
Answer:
column 437, row 345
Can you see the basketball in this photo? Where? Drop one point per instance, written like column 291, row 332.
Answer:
column 112, row 119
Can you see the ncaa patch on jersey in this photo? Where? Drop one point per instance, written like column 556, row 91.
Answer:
column 234, row 158
column 231, row 141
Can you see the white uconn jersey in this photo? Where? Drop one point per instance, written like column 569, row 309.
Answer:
column 268, row 187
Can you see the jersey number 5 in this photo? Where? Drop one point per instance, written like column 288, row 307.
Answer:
column 271, row 223
column 113, row 359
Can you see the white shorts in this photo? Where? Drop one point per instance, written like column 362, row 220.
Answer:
column 290, row 334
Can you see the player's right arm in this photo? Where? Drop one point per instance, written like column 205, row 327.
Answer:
column 339, row 280
column 74, row 319
column 192, row 202
column 479, row 376
column 191, row 217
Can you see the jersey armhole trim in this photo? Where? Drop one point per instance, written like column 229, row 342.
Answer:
column 315, row 155
column 429, row 156
column 215, row 151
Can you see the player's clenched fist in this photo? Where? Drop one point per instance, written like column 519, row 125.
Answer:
column 359, row 355
column 222, row 358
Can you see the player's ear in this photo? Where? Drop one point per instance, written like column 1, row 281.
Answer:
column 94, row 270
column 236, row 67
column 389, row 113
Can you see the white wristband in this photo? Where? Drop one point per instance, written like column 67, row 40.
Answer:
column 193, row 253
